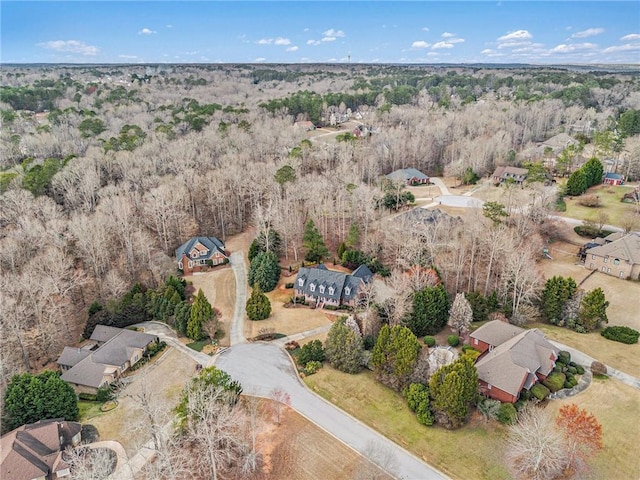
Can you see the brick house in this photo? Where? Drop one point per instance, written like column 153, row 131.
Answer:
column 410, row 176
column 618, row 257
column 512, row 359
column 199, row 253
column 112, row 351
column 327, row 287
column 502, row 174
column 613, row 179
column 34, row 451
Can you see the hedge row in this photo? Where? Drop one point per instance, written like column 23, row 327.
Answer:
column 621, row 334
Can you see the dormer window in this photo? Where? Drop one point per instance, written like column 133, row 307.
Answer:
column 347, row 291
column 321, row 288
column 203, row 253
column 300, row 282
column 331, row 290
column 312, row 287
column 194, row 254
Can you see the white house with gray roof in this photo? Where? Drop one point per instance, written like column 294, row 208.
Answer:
column 101, row 362
column 322, row 286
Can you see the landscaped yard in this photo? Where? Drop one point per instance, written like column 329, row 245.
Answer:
column 88, row 410
column 473, row 452
column 611, row 205
column 286, row 320
column 620, row 356
column 617, row 407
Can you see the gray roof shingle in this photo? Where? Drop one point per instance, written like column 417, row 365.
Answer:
column 212, row 244
column 406, row 174
column 626, row 248
column 320, row 281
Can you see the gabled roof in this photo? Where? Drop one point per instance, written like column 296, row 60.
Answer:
column 70, row 356
column 34, row 450
column 496, row 332
column 510, row 172
column 626, row 248
column 509, row 365
column 406, row 174
column 340, row 282
column 116, row 351
column 362, row 272
column 212, row 244
column 613, row 176
column 560, row 141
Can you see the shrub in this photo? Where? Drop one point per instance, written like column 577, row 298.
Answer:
column 507, row 414
column 555, row 381
column 369, row 342
column 621, row 334
column 540, row 391
column 564, row 357
column 572, row 370
column 429, row 341
column 525, row 395
column 292, row 345
column 466, row 348
column 88, row 397
column 598, row 368
column 589, row 201
column 104, row 394
column 579, row 369
column 312, row 367
column 330, row 307
column 453, row 340
column 311, row 352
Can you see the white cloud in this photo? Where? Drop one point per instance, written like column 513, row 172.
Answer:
column 448, row 35
column 259, row 59
column 294, row 48
column 563, row 48
column 313, row 42
column 420, row 44
column 328, row 39
column 425, row 29
column 630, row 37
column 128, row 57
column 487, row 51
column 146, row 31
column 432, row 54
column 439, row 45
column 589, row 32
column 169, row 26
column 518, row 35
column 455, row 40
column 282, row 41
column 72, row 46
column 265, row 41
column 333, row 33
column 622, row 48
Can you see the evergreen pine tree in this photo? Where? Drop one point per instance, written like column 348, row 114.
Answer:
column 344, row 348
column 201, row 313
column 258, row 305
column 313, row 242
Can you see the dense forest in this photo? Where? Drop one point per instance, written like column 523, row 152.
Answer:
column 105, row 170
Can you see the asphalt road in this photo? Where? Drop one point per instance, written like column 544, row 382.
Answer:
column 262, row 367
column 237, row 324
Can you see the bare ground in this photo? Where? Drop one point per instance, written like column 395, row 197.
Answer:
column 301, row 450
column 166, row 376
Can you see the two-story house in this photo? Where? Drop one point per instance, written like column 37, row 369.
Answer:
column 327, row 287
column 199, row 253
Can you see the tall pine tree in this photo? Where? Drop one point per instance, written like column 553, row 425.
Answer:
column 313, row 242
column 453, row 388
column 201, row 313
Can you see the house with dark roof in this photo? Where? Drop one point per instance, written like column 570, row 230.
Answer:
column 322, row 286
column 199, row 253
column 513, row 359
column 503, row 174
column 34, row 451
column 410, row 176
column 613, row 179
column 619, row 256
column 112, row 351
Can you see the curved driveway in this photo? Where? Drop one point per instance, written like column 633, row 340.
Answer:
column 261, row 367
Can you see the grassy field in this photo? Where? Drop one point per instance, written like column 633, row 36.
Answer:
column 620, row 356
column 473, row 452
column 89, row 410
column 611, row 205
column 617, row 407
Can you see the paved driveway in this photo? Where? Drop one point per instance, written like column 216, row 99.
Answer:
column 261, row 367
column 237, row 324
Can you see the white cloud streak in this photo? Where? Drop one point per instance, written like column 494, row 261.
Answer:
column 146, row 31
column 71, row 46
column 420, row 44
column 630, row 37
column 589, row 32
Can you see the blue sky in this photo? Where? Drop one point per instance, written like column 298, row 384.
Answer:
column 294, row 32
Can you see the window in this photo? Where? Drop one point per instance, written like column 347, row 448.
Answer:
column 608, row 270
column 475, row 341
column 605, row 260
column 194, row 254
column 591, row 265
column 604, row 269
column 321, row 288
column 593, row 257
column 331, row 290
column 180, row 265
column 312, row 287
column 347, row 291
column 300, row 282
column 190, row 264
column 622, row 274
column 616, row 261
column 203, row 253
column 215, row 261
column 489, row 386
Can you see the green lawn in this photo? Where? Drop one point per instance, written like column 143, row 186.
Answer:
column 472, row 452
column 89, row 409
column 198, row 346
column 611, row 205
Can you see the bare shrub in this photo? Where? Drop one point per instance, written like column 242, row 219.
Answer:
column 592, row 201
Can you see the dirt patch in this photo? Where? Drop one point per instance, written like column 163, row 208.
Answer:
column 166, row 376
column 301, row 450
